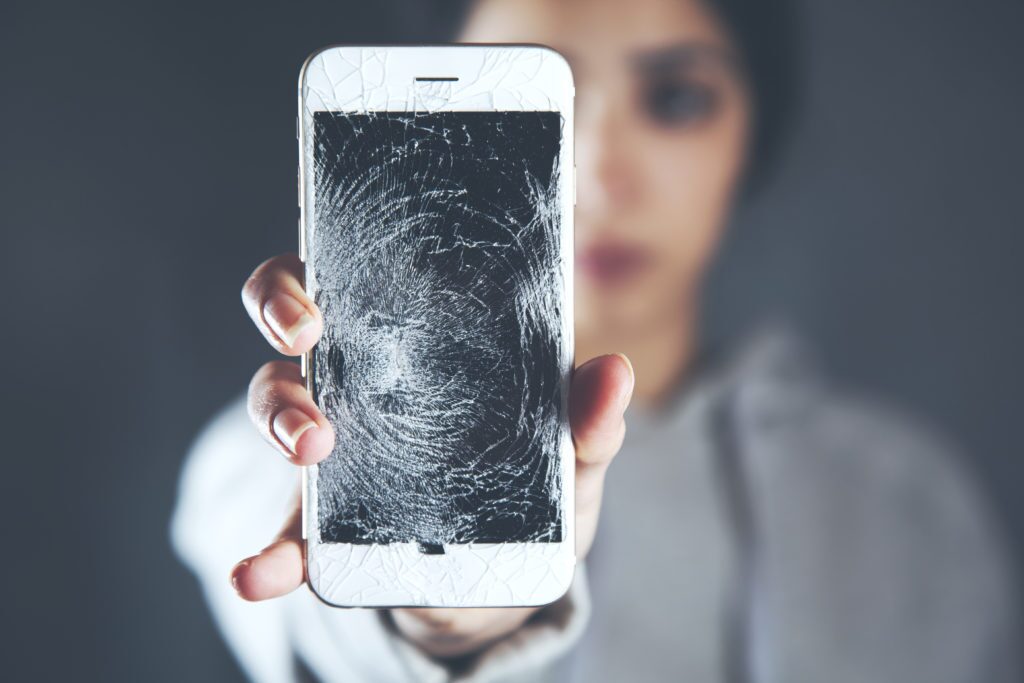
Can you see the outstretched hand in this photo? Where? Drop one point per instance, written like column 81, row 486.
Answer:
column 288, row 418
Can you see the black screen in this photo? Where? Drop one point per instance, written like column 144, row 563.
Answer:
column 437, row 265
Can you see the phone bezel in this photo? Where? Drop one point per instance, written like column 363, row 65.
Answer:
column 363, row 78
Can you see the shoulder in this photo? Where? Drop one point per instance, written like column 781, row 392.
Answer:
column 873, row 529
column 797, row 429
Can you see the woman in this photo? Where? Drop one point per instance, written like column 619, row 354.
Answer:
column 758, row 527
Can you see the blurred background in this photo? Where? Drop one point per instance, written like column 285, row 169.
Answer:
column 147, row 164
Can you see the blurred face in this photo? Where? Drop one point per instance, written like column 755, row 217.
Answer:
column 662, row 117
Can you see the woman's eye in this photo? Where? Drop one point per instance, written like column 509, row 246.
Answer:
column 678, row 103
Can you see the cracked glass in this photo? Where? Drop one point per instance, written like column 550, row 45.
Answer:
column 437, row 268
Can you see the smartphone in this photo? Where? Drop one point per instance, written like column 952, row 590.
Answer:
column 436, row 193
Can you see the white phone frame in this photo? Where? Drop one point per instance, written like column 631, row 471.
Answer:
column 490, row 78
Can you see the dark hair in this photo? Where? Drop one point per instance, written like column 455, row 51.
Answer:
column 766, row 34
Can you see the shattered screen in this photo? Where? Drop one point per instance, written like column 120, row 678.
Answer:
column 436, row 256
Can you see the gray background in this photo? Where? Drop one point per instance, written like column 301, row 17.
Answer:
column 147, row 163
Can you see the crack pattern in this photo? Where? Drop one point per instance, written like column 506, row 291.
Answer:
column 439, row 277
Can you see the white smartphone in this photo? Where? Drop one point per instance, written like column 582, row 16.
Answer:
column 437, row 187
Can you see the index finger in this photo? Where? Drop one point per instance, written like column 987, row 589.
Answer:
column 276, row 301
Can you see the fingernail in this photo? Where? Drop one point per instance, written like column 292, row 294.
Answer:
column 234, row 575
column 289, row 425
column 286, row 316
column 628, row 395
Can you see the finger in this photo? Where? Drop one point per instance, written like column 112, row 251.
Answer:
column 286, row 415
column 276, row 301
column 278, row 569
column 600, row 392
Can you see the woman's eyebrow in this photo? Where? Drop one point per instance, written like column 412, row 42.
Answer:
column 682, row 55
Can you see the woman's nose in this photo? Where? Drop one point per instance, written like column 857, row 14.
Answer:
column 606, row 163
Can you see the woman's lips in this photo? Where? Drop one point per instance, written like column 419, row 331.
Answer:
column 612, row 263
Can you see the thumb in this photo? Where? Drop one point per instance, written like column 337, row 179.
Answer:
column 600, row 391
